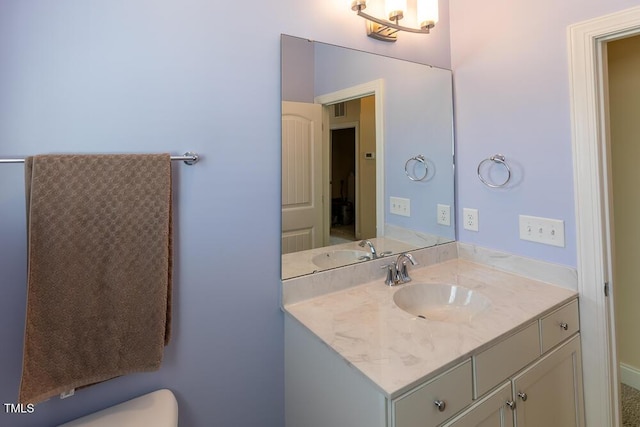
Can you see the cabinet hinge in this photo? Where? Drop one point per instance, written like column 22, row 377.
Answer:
column 606, row 289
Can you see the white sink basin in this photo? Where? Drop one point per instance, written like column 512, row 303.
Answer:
column 339, row 257
column 441, row 302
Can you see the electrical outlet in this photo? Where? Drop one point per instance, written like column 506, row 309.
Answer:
column 444, row 215
column 400, row 206
column 470, row 219
column 542, row 230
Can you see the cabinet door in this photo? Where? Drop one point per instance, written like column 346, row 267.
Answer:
column 549, row 393
column 490, row 411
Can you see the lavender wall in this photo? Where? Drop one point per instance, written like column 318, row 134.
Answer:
column 162, row 75
column 297, row 69
column 510, row 64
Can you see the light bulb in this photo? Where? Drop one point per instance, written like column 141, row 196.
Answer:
column 358, row 4
column 395, row 9
column 427, row 13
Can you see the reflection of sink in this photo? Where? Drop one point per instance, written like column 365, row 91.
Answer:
column 445, row 303
column 339, row 257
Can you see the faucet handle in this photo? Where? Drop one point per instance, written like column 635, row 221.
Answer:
column 403, row 273
column 392, row 273
column 402, row 270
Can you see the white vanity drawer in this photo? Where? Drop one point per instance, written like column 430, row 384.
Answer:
column 497, row 363
column 492, row 410
column 451, row 390
column 559, row 325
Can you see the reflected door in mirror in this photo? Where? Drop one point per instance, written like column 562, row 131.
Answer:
column 302, row 225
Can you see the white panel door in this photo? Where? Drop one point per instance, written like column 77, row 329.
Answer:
column 301, row 176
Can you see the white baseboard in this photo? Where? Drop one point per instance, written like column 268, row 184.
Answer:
column 630, row 376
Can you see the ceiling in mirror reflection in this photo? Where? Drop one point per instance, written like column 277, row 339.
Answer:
column 351, row 122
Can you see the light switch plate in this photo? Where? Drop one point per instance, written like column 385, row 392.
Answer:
column 542, row 230
column 400, row 206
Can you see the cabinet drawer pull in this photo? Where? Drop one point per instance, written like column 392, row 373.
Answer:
column 564, row 326
column 511, row 404
column 441, row 404
column 522, row 396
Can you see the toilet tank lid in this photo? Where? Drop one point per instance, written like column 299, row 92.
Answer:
column 158, row 409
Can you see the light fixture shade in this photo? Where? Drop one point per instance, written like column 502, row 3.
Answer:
column 427, row 13
column 358, row 4
column 395, row 8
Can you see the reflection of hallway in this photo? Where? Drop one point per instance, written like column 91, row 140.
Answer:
column 343, row 234
column 343, row 181
column 624, row 108
column 352, row 171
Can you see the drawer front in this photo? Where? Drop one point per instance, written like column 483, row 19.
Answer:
column 492, row 410
column 559, row 325
column 418, row 408
column 504, row 359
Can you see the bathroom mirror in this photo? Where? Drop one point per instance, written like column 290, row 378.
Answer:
column 367, row 154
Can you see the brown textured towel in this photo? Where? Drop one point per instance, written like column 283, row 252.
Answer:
column 99, row 279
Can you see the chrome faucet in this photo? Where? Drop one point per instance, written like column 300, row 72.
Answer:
column 397, row 271
column 374, row 254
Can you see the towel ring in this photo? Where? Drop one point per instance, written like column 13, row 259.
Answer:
column 419, row 158
column 496, row 158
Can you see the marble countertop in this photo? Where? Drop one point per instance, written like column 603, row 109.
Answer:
column 396, row 350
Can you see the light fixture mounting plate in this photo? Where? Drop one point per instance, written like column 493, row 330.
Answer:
column 381, row 32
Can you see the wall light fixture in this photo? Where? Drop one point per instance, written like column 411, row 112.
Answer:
column 386, row 30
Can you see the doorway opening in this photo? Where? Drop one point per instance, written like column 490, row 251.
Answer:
column 622, row 79
column 351, row 169
column 343, row 182
column 360, row 107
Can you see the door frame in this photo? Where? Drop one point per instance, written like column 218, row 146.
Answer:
column 587, row 72
column 376, row 88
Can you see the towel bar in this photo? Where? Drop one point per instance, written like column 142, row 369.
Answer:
column 188, row 158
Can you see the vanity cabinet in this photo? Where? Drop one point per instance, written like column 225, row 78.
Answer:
column 530, row 378
column 546, row 393
column 541, row 391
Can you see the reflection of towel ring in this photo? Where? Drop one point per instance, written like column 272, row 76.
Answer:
column 411, row 176
column 496, row 158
